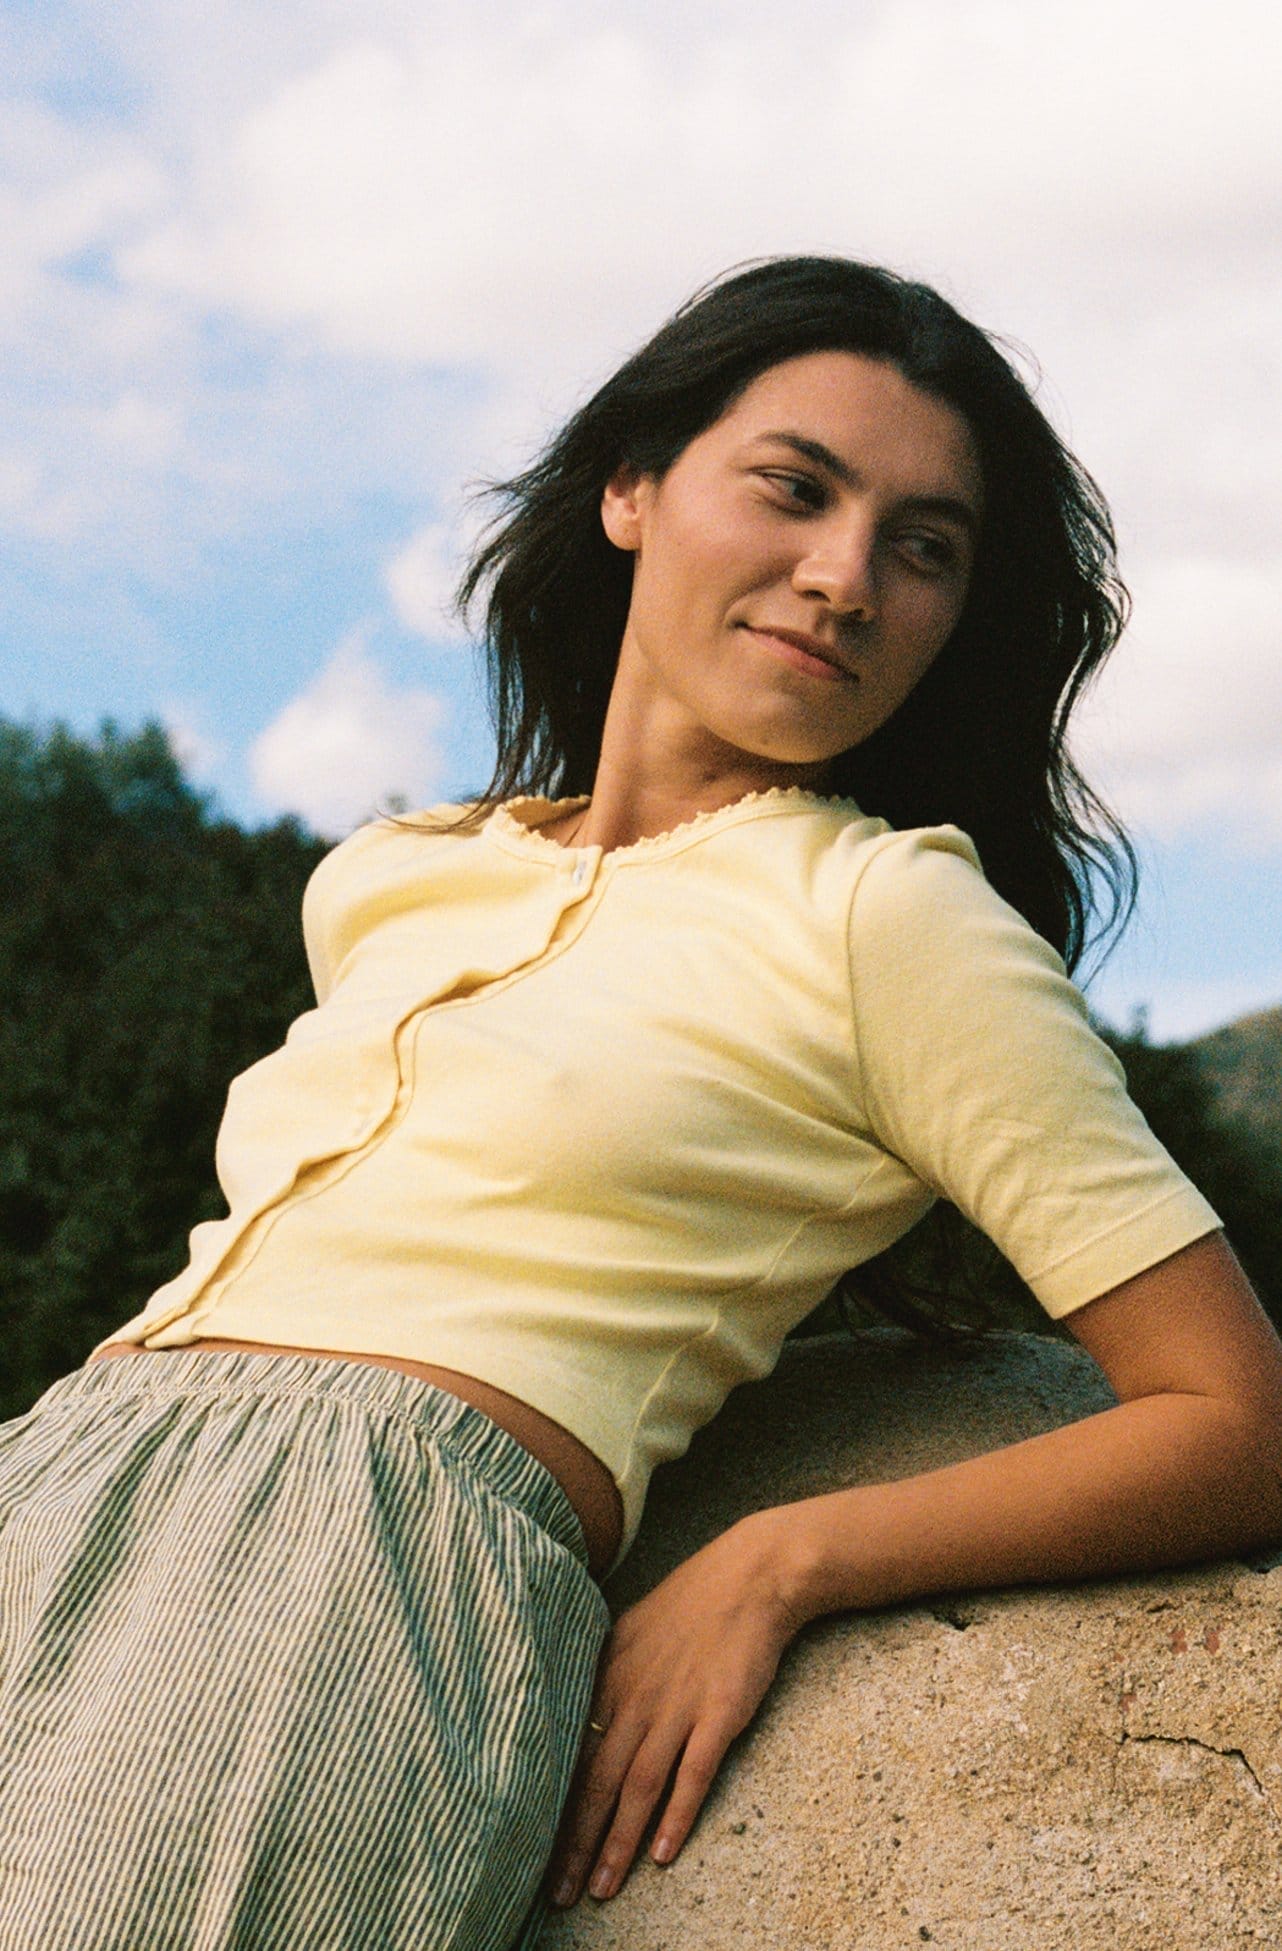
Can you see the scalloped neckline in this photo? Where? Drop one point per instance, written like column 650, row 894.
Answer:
column 504, row 817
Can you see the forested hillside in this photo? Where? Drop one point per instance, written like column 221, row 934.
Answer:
column 150, row 950
column 1243, row 1064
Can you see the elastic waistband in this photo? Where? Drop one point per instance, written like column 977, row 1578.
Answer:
column 466, row 1434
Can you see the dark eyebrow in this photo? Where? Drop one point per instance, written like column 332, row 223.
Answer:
column 949, row 506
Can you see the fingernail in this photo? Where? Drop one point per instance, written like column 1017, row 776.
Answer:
column 564, row 1892
column 664, row 1850
column 602, row 1882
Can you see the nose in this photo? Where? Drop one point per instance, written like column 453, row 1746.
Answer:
column 840, row 567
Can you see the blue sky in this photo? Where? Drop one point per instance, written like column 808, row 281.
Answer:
column 277, row 285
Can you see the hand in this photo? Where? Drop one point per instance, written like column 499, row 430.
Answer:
column 681, row 1675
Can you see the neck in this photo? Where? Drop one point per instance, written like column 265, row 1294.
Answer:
column 650, row 779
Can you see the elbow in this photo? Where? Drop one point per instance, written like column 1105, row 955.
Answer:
column 1254, row 1486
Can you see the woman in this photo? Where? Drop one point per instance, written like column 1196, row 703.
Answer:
column 603, row 1094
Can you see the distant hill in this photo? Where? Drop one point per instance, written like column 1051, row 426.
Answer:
column 1243, row 1065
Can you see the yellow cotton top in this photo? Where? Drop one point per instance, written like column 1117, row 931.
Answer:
column 600, row 1128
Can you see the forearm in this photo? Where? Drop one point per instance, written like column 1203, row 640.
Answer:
column 1163, row 1479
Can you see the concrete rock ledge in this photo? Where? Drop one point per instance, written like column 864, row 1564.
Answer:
column 1086, row 1768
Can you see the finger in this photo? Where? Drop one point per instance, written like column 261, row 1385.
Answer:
column 703, row 1756
column 603, row 1763
column 639, row 1796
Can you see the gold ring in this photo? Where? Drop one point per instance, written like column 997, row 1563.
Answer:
column 596, row 1727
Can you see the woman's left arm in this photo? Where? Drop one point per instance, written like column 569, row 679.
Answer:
column 1187, row 1466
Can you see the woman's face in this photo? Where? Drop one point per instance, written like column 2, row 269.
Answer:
column 801, row 563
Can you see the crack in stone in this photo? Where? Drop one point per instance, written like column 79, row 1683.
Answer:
column 1207, row 1747
column 949, row 1616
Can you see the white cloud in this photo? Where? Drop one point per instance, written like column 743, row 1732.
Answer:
column 20, row 487
column 65, row 189
column 91, row 379
column 1185, row 727
column 524, row 189
column 137, row 430
column 421, row 579
column 506, row 192
column 348, row 745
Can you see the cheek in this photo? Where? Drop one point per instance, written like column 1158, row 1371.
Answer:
column 701, row 560
column 710, row 549
column 929, row 622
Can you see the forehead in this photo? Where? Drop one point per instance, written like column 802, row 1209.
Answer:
column 865, row 412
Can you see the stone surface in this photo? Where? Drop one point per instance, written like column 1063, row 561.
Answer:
column 1089, row 1766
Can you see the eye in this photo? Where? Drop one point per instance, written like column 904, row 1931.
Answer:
column 928, row 551
column 798, row 492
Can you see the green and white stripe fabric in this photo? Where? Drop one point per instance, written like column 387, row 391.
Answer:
column 294, row 1652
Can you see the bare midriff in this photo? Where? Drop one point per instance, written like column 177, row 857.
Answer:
column 582, row 1476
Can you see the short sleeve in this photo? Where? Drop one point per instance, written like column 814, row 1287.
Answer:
column 980, row 1070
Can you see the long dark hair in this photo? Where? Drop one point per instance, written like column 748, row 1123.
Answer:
column 981, row 741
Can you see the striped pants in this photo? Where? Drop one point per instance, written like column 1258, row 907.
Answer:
column 294, row 1652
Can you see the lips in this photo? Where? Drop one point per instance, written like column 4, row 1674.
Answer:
column 812, row 651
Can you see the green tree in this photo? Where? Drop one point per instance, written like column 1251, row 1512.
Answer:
column 149, row 951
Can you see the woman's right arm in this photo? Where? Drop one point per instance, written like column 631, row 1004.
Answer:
column 1187, row 1466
